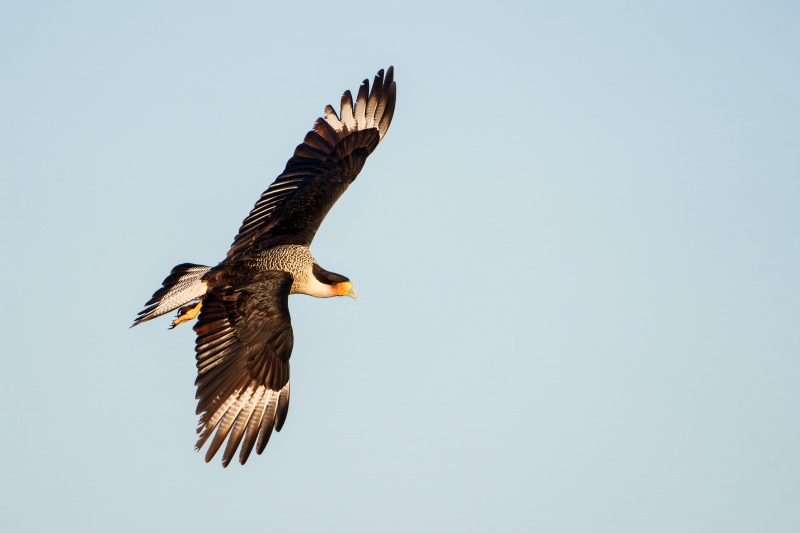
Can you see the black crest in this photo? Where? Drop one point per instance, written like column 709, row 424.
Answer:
column 328, row 278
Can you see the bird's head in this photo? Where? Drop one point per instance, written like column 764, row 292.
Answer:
column 333, row 284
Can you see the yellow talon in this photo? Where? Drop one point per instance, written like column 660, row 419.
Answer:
column 187, row 313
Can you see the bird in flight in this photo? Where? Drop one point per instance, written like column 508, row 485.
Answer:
column 244, row 332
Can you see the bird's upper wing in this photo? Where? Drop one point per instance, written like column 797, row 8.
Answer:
column 244, row 341
column 331, row 156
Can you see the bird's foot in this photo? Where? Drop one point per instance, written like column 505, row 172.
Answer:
column 186, row 313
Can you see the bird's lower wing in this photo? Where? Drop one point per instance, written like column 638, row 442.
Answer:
column 244, row 341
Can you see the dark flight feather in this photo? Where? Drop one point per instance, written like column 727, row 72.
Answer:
column 244, row 342
column 323, row 166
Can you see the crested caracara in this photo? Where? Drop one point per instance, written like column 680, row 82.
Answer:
column 244, row 332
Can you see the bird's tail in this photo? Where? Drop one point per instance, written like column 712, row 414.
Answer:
column 184, row 284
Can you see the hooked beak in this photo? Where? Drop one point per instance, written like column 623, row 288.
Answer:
column 344, row 289
column 352, row 293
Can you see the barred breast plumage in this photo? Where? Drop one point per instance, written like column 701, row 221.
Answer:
column 294, row 259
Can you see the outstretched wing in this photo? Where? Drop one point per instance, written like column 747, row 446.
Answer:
column 291, row 210
column 244, row 341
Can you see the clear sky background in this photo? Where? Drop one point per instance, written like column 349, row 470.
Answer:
column 577, row 254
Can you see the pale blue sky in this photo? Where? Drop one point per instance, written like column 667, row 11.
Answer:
column 577, row 255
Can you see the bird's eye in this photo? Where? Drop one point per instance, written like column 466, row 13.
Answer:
column 334, row 284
